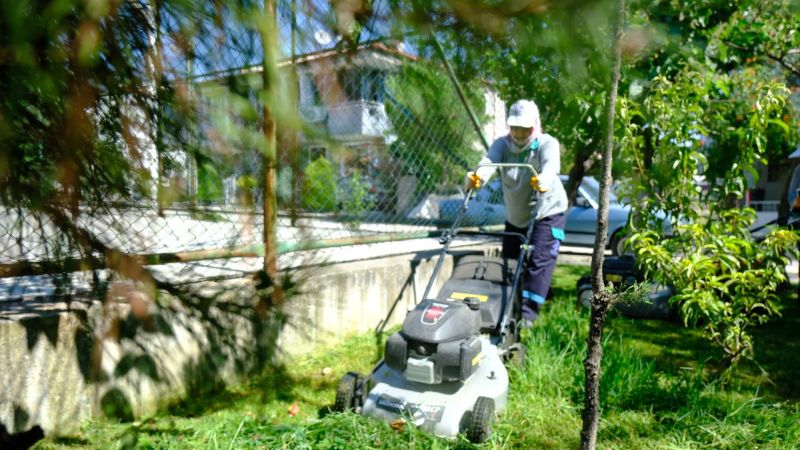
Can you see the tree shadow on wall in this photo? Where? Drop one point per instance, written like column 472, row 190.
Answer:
column 231, row 327
column 189, row 340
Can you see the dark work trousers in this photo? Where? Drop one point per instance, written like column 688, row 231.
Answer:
column 542, row 258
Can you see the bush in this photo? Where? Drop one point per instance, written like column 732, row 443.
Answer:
column 209, row 184
column 319, row 186
column 357, row 200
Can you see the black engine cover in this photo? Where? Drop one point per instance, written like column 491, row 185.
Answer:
column 452, row 361
column 443, row 333
column 436, row 321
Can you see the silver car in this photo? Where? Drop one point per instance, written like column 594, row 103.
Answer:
column 582, row 217
column 487, row 208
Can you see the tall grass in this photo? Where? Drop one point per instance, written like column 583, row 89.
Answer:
column 656, row 392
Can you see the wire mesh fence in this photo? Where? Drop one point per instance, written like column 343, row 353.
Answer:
column 372, row 140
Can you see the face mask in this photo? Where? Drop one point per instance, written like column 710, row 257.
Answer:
column 533, row 145
column 522, row 143
column 517, row 147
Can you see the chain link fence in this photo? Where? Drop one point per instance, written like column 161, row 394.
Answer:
column 372, row 141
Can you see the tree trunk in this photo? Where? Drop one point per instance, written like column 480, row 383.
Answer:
column 591, row 366
column 270, row 156
column 581, row 164
column 601, row 300
column 783, row 203
column 649, row 148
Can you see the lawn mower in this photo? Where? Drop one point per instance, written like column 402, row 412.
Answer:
column 445, row 370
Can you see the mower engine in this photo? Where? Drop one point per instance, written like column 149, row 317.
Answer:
column 439, row 342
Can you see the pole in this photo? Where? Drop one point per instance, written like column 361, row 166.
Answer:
column 293, row 134
column 460, row 91
column 270, row 78
column 158, row 71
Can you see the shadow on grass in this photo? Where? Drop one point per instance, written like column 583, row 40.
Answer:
column 686, row 362
column 672, row 346
column 71, row 441
column 153, row 427
column 777, row 346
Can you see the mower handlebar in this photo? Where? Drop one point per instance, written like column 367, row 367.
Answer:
column 526, row 165
column 499, row 165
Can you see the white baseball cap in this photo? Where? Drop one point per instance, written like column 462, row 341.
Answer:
column 524, row 113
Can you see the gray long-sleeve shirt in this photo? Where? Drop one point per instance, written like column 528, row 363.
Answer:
column 517, row 191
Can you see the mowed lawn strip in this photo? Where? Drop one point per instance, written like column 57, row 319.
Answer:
column 659, row 389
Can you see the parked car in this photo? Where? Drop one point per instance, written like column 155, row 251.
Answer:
column 487, row 208
column 581, row 224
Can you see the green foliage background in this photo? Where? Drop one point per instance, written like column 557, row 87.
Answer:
column 437, row 141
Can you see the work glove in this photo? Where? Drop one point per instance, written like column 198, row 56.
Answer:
column 472, row 181
column 537, row 184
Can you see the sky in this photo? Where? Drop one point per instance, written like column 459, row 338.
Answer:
column 232, row 45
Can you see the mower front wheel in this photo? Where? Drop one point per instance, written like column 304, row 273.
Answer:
column 479, row 425
column 346, row 393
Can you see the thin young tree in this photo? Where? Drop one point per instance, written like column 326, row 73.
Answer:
column 601, row 299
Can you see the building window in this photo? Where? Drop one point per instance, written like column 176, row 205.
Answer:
column 310, row 93
column 363, row 85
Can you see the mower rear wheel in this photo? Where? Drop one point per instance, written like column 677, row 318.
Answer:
column 585, row 298
column 479, row 427
column 346, row 393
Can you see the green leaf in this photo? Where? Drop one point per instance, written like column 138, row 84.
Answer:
column 780, row 123
column 723, row 55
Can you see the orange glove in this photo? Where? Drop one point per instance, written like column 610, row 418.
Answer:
column 472, row 181
column 536, row 186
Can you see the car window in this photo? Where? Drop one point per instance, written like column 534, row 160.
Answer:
column 493, row 192
column 496, row 195
column 590, row 188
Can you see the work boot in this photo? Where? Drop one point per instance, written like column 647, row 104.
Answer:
column 530, row 312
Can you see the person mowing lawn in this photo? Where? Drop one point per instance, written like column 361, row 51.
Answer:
column 526, row 143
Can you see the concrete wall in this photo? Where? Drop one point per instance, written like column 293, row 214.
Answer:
column 65, row 362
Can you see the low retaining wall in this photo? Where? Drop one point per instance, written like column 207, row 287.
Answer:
column 66, row 362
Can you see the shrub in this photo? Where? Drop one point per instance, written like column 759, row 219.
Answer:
column 356, row 201
column 319, row 186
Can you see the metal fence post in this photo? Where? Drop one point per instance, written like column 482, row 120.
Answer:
column 294, row 153
column 460, row 91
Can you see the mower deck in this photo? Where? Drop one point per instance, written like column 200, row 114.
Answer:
column 439, row 409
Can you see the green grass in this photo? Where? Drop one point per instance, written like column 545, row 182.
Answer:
column 658, row 390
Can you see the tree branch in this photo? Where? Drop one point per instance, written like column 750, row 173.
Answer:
column 795, row 70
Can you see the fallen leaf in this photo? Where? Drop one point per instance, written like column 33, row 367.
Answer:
column 294, row 409
column 398, row 425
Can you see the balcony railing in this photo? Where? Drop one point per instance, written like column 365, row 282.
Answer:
column 358, row 119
